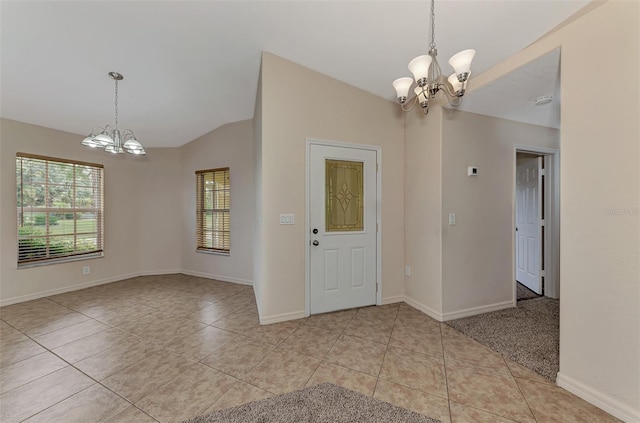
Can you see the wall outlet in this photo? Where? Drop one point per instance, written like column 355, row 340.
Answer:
column 407, row 270
column 86, row 270
column 287, row 219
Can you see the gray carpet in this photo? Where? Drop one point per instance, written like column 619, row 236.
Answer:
column 528, row 334
column 524, row 293
column 326, row 403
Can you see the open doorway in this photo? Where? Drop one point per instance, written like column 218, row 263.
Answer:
column 537, row 223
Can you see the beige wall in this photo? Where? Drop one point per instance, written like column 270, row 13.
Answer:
column 230, row 146
column 477, row 252
column 159, row 213
column 122, row 217
column 423, row 210
column 600, row 196
column 298, row 103
column 257, row 169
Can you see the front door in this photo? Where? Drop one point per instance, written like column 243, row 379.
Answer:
column 342, row 220
column 528, row 223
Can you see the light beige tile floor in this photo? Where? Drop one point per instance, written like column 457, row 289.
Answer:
column 165, row 348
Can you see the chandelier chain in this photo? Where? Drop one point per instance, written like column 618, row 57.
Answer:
column 433, row 25
column 116, row 103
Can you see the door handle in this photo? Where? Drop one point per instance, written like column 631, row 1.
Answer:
column 315, row 242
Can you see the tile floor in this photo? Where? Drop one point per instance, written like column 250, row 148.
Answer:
column 165, row 348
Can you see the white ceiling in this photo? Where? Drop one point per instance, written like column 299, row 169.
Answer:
column 513, row 95
column 191, row 67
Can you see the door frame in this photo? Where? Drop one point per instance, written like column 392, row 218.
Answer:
column 551, row 157
column 307, row 199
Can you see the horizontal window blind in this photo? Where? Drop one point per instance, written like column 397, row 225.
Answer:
column 213, row 226
column 60, row 205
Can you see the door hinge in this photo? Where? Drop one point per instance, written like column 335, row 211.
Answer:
column 542, row 223
column 376, row 288
column 376, row 167
column 376, row 228
column 542, row 172
column 543, row 273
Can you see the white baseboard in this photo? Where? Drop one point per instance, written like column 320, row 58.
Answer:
column 62, row 290
column 277, row 318
column 423, row 308
column 159, row 272
column 217, row 277
column 599, row 399
column 393, row 300
column 452, row 315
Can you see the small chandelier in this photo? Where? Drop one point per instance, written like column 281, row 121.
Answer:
column 429, row 78
column 110, row 137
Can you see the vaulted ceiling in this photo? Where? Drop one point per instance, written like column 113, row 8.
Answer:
column 191, row 67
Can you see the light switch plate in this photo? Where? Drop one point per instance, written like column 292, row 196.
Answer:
column 452, row 219
column 287, row 219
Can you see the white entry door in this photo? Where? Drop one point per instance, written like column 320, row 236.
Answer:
column 342, row 220
column 528, row 222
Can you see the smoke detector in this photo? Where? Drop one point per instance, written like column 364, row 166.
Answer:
column 542, row 100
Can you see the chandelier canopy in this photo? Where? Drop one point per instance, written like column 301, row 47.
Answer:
column 428, row 76
column 110, row 137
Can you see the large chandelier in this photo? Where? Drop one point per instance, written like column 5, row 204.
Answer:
column 110, row 137
column 428, row 76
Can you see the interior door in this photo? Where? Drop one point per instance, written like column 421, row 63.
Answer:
column 342, row 221
column 528, row 224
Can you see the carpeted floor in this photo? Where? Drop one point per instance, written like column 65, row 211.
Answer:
column 528, row 334
column 325, row 403
column 524, row 293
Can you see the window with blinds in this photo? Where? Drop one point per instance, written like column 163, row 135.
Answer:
column 60, row 209
column 213, row 227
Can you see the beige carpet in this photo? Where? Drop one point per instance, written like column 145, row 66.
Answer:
column 528, row 334
column 325, row 403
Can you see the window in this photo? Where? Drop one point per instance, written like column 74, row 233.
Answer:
column 60, row 209
column 212, row 210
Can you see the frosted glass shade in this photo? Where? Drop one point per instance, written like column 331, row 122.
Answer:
column 422, row 95
column 453, row 80
column 103, row 139
column 133, row 146
column 90, row 142
column 461, row 62
column 402, row 86
column 419, row 67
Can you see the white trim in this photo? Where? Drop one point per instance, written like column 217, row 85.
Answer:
column 477, row 310
column 552, row 217
column 307, row 275
column 599, row 399
column 393, row 300
column 277, row 318
column 425, row 309
column 159, row 272
column 64, row 289
column 222, row 278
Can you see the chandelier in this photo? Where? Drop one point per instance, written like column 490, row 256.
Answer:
column 429, row 79
column 110, row 137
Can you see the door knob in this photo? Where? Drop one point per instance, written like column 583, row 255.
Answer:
column 315, row 242
column 315, row 231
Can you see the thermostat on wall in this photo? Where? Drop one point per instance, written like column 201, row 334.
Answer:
column 472, row 171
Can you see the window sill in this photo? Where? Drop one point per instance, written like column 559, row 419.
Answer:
column 215, row 253
column 31, row 264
